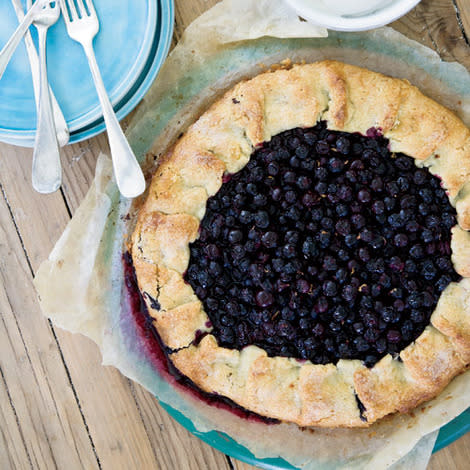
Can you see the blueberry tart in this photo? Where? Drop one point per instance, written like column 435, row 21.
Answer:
column 304, row 247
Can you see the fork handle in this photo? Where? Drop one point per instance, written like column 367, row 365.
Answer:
column 47, row 171
column 15, row 39
column 129, row 176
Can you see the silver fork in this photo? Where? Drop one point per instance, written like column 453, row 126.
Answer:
column 82, row 26
column 62, row 130
column 47, row 172
column 15, row 39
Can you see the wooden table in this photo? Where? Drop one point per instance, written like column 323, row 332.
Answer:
column 59, row 408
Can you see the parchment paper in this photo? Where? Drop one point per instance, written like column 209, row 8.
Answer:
column 85, row 266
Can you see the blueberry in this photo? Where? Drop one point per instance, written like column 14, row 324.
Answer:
column 345, row 193
column 412, row 226
column 309, row 248
column 342, row 210
column 348, row 293
column 416, row 251
column 358, row 220
column 235, row 236
column 378, row 207
column 261, row 219
column 340, row 313
column 321, row 174
column 427, row 236
column 448, row 219
column 403, row 183
column 390, row 203
column 361, row 344
column 301, row 151
column 350, row 240
column 330, row 289
column 329, row 263
column 400, row 240
column 304, row 182
column 276, row 194
column 343, row 145
column 396, row 264
column 428, row 270
column 269, row 239
column 377, row 184
column 443, row 282
column 290, row 196
column 366, row 235
column 341, row 275
column 389, row 315
column 322, row 147
column 245, row 217
column 410, row 266
column 321, row 305
column 403, row 162
column 364, row 254
column 393, row 336
column 264, row 299
column 260, row 200
column 364, row 196
column 419, row 176
column 289, row 250
column 289, row 177
column 335, row 164
column 343, row 227
column 302, row 286
column 309, row 199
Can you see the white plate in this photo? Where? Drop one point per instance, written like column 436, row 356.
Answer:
column 349, row 15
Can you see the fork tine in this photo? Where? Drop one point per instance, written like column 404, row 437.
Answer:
column 91, row 7
column 82, row 8
column 68, row 10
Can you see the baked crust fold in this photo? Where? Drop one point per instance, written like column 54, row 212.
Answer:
column 350, row 99
column 452, row 316
column 279, row 387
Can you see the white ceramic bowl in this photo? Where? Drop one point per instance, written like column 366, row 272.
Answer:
column 352, row 15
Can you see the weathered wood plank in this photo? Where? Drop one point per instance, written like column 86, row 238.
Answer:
column 188, row 11
column 13, row 451
column 434, row 23
column 457, row 456
column 33, row 374
column 462, row 12
column 109, row 408
column 105, row 399
column 173, row 445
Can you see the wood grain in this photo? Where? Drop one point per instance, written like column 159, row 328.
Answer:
column 106, row 398
column 59, row 408
column 32, row 372
column 435, row 24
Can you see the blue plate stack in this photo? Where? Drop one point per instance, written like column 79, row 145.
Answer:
column 133, row 42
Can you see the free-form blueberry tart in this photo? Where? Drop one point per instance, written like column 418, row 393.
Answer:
column 304, row 247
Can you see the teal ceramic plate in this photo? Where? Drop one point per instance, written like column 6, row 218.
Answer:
column 132, row 44
column 224, row 443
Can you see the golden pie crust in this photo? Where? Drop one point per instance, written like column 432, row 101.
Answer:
column 350, row 99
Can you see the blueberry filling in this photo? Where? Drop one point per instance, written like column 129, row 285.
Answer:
column 325, row 246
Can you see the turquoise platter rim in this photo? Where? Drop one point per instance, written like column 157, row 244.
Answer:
column 227, row 445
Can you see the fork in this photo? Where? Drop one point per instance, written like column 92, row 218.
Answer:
column 62, row 130
column 82, row 26
column 47, row 171
column 15, row 39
